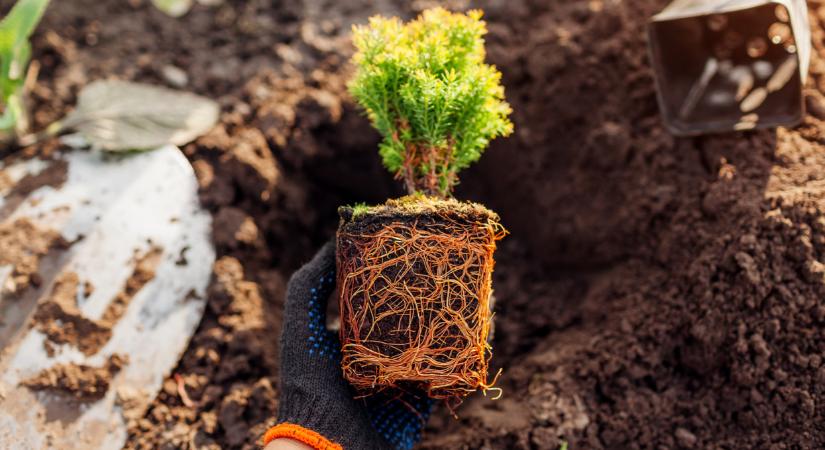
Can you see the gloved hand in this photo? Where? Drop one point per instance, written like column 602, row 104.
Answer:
column 317, row 406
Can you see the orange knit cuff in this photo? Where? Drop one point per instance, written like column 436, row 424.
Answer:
column 300, row 434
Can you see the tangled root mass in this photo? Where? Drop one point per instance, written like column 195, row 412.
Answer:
column 414, row 289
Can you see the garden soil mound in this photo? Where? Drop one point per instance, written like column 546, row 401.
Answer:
column 654, row 293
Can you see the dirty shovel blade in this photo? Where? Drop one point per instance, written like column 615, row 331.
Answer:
column 104, row 264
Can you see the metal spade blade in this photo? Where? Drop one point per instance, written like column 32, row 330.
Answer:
column 87, row 342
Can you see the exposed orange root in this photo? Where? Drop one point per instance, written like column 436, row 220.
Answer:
column 414, row 298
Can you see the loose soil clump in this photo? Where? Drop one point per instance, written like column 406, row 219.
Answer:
column 60, row 319
column 53, row 175
column 83, row 382
column 23, row 244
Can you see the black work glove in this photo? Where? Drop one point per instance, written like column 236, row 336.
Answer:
column 315, row 397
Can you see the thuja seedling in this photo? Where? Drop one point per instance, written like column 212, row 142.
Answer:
column 427, row 90
column 15, row 52
column 414, row 274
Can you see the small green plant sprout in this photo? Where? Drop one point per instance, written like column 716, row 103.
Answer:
column 15, row 52
column 429, row 93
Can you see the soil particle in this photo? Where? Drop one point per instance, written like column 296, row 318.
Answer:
column 685, row 438
column 174, row 76
column 250, row 161
column 83, row 382
column 230, row 416
column 233, row 227
column 88, row 289
column 22, row 244
column 143, row 273
column 238, row 296
column 6, row 181
column 54, row 175
column 60, row 319
column 815, row 105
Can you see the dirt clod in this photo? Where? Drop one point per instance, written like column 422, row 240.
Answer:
column 685, row 438
column 53, row 175
column 22, row 244
column 233, row 228
column 60, row 319
column 80, row 381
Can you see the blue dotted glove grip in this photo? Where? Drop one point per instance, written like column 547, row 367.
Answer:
column 397, row 416
column 322, row 342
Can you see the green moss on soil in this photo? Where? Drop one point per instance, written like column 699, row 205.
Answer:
column 416, row 205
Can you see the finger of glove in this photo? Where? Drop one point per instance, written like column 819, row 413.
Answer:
column 399, row 416
column 308, row 292
column 311, row 280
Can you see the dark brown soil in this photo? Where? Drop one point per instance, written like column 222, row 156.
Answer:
column 655, row 292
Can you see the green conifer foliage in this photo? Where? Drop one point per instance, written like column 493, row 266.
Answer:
column 427, row 90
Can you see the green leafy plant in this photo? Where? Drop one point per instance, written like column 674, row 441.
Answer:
column 15, row 52
column 429, row 93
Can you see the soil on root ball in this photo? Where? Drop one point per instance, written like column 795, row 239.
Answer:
column 414, row 280
column 654, row 292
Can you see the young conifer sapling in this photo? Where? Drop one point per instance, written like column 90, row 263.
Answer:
column 415, row 274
